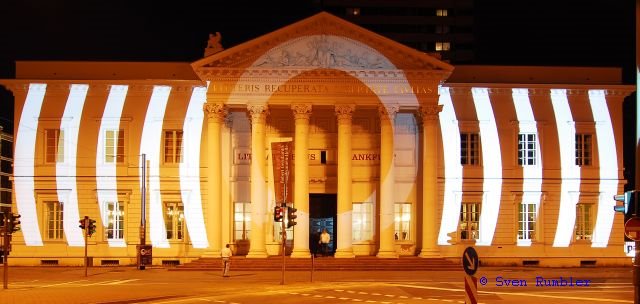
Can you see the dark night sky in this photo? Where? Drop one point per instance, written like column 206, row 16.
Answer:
column 543, row 32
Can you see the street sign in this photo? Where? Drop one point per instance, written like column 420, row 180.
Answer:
column 470, row 261
column 632, row 228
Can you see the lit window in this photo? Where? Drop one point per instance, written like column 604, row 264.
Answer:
column 443, row 46
column 469, row 148
column 402, row 221
column 174, row 220
column 55, row 228
column 54, row 139
column 173, row 146
column 469, row 219
column 526, row 221
column 115, row 221
column 584, row 221
column 242, row 221
column 362, row 223
column 114, row 146
column 442, row 12
column 527, row 149
column 353, row 11
column 584, row 145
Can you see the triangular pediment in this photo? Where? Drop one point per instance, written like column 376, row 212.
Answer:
column 322, row 41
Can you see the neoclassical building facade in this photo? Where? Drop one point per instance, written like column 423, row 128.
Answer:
column 395, row 153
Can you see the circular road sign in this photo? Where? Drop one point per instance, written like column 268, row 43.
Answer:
column 470, row 261
column 632, row 228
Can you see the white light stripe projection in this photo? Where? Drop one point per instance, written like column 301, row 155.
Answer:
column 608, row 158
column 23, row 164
column 190, row 168
column 492, row 166
column 150, row 145
column 570, row 173
column 106, row 172
column 66, row 170
column 531, row 174
column 452, row 167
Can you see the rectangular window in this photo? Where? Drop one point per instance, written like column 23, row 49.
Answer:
column 54, row 215
column 115, row 221
column 442, row 29
column 353, row 11
column 362, row 221
column 174, row 220
column 443, row 46
column 469, row 148
column 584, row 221
column 526, row 221
column 442, row 13
column 242, row 220
column 527, row 149
column 469, row 220
column 114, row 146
column 173, row 146
column 402, row 221
column 584, row 146
column 54, row 142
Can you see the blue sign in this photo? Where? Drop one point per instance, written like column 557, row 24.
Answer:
column 470, row 261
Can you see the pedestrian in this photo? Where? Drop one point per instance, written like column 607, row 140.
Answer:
column 325, row 238
column 226, row 260
column 315, row 242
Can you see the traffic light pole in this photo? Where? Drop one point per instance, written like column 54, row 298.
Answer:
column 284, row 247
column 86, row 232
column 5, row 249
column 636, row 275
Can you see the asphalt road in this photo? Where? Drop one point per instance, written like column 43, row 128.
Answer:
column 111, row 285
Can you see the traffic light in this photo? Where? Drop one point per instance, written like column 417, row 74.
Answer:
column 92, row 227
column 82, row 223
column 628, row 206
column 14, row 222
column 277, row 214
column 452, row 237
column 291, row 217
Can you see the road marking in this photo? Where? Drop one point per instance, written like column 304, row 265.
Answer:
column 330, row 297
column 537, row 295
column 60, row 284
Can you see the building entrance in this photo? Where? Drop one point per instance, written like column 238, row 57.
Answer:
column 322, row 215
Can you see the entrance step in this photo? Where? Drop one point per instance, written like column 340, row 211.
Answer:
column 365, row 263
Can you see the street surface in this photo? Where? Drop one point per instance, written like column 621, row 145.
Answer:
column 111, row 285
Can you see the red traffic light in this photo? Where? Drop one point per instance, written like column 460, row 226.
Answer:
column 277, row 214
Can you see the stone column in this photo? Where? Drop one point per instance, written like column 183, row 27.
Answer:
column 429, row 114
column 301, row 113
column 258, row 182
column 344, row 243
column 387, row 182
column 216, row 113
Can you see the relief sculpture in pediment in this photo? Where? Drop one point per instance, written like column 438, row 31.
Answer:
column 324, row 52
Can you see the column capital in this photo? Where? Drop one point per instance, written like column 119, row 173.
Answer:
column 388, row 111
column 215, row 111
column 430, row 112
column 345, row 112
column 301, row 111
column 258, row 112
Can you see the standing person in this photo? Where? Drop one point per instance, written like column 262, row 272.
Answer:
column 325, row 238
column 226, row 260
column 315, row 242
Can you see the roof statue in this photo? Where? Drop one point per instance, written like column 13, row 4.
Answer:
column 213, row 45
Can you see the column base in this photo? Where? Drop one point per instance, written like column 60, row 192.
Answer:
column 300, row 253
column 257, row 254
column 344, row 254
column 430, row 253
column 211, row 254
column 387, row 254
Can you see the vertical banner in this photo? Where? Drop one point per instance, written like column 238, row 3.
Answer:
column 281, row 153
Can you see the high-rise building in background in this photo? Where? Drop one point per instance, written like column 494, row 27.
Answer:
column 443, row 27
